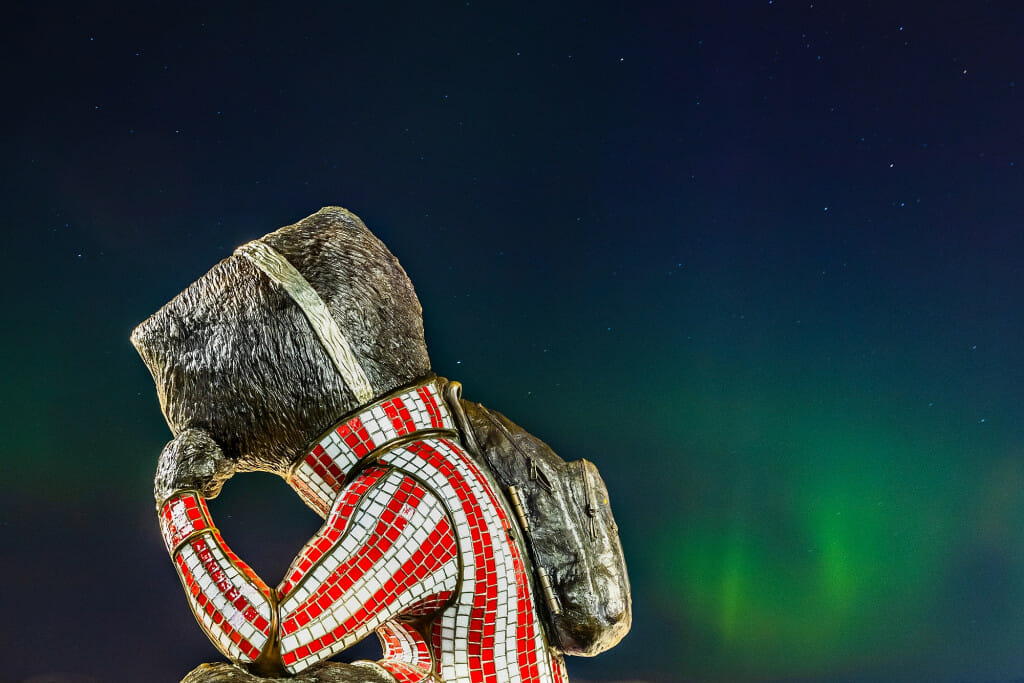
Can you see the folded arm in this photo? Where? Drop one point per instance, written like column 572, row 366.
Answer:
column 234, row 607
column 387, row 549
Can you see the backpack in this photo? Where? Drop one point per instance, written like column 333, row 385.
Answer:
column 569, row 533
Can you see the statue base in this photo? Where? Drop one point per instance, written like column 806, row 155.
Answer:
column 330, row 672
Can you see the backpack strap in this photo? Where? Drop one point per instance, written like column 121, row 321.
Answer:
column 453, row 394
column 568, row 535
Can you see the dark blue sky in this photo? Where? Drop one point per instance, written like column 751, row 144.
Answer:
column 760, row 261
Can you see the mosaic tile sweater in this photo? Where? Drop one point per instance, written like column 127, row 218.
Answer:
column 418, row 546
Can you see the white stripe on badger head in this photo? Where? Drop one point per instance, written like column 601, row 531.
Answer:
column 278, row 269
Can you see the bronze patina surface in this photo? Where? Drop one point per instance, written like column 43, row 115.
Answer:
column 473, row 551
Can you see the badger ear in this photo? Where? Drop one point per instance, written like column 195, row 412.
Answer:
column 140, row 339
column 154, row 336
column 191, row 461
column 153, row 339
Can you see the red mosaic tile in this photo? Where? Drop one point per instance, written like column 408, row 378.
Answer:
column 355, row 436
column 431, row 405
column 399, row 415
column 392, row 565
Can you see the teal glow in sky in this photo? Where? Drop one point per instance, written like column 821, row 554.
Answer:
column 761, row 263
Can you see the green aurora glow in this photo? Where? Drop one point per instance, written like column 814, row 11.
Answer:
column 815, row 541
column 771, row 285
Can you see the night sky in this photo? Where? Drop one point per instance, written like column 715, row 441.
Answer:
column 760, row 261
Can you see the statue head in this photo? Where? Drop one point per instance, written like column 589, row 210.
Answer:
column 236, row 357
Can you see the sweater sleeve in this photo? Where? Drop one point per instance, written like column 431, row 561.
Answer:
column 388, row 548
column 233, row 606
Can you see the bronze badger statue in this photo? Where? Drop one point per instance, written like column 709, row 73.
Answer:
column 473, row 551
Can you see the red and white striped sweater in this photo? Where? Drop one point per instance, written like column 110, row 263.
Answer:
column 418, row 547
